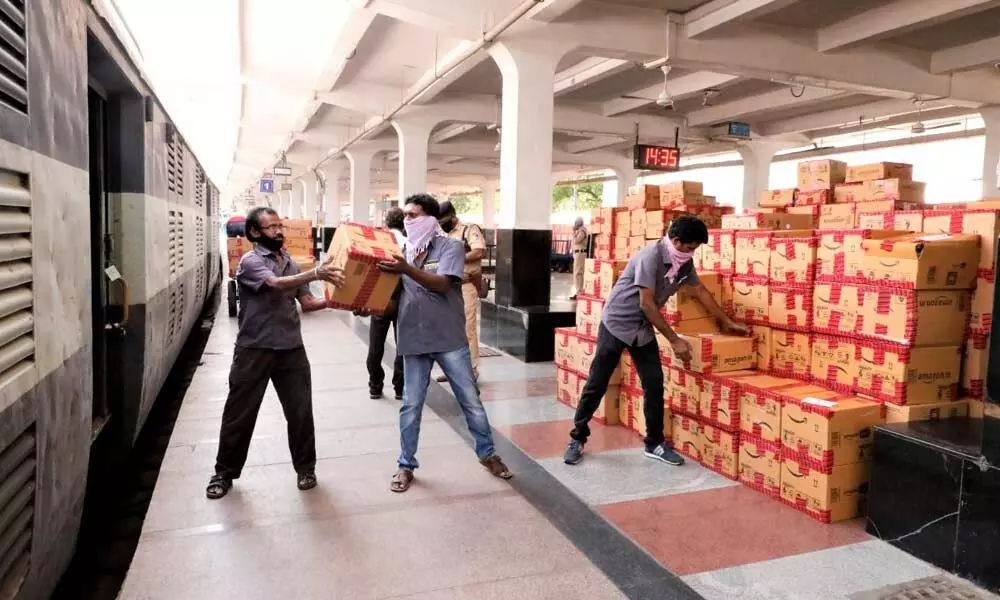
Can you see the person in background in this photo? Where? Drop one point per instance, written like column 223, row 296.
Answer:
column 580, row 237
column 432, row 330
column 269, row 349
column 379, row 327
column 631, row 313
column 471, row 235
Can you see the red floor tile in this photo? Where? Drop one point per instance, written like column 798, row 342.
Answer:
column 548, row 439
column 721, row 528
column 525, row 388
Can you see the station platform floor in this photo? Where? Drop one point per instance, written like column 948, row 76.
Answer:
column 617, row 525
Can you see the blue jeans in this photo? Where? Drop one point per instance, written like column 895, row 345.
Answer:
column 457, row 366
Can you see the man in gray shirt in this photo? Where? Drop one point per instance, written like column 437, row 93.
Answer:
column 432, row 330
column 631, row 312
column 269, row 348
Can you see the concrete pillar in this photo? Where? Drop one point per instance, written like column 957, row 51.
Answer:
column 361, row 174
column 991, row 157
column 330, row 206
column 626, row 178
column 414, row 135
column 489, row 208
column 757, row 157
column 295, row 209
column 310, row 184
column 524, row 229
column 284, row 203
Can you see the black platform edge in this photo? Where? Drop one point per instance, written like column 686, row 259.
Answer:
column 630, row 568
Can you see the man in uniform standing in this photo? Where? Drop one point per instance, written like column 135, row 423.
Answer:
column 580, row 237
column 471, row 236
column 269, row 348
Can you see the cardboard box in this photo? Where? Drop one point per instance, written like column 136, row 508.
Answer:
column 813, row 197
column 767, row 221
column 299, row 246
column 839, row 254
column 923, row 261
column 835, row 308
column 298, row 229
column 637, row 222
column 678, row 193
column 760, row 465
column 623, row 224
column 583, row 355
column 832, row 362
column 717, row 353
column 826, row 432
column 643, row 197
column 566, row 387
column 912, row 317
column 881, row 170
column 836, row 216
column 726, row 283
column 763, row 338
column 604, row 247
column 904, row 375
column 607, row 412
column 895, row 413
column 605, row 221
column 790, row 307
column 791, row 354
column 622, row 246
column 903, row 221
column 751, row 300
column 975, row 365
column 820, row 174
column 235, row 249
column 981, row 311
column 719, row 254
column 720, row 451
column 983, row 222
column 588, row 315
column 687, row 436
column 684, row 305
column 636, row 243
column 305, row 263
column 608, row 273
column 720, row 399
column 565, row 354
column 776, row 198
column 683, row 390
column 357, row 249
column 812, row 211
column 760, row 406
column 625, row 417
column 793, row 259
column 591, row 275
column 828, row 498
column 753, row 250
column 899, row 190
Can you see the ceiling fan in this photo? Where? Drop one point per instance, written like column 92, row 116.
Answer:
column 916, row 128
column 664, row 99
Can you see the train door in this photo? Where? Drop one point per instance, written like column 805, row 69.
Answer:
column 99, row 249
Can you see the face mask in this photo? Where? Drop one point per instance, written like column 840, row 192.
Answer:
column 677, row 259
column 419, row 233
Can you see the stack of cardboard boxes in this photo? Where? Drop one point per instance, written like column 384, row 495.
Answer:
column 299, row 242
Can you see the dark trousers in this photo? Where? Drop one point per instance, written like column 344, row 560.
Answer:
column 606, row 357
column 377, row 332
column 252, row 368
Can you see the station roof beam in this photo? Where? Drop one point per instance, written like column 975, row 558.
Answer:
column 710, row 17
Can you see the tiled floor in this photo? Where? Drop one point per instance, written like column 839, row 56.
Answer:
column 459, row 533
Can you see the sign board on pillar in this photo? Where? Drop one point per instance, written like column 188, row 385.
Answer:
column 283, row 171
column 646, row 157
column 266, row 186
column 286, row 187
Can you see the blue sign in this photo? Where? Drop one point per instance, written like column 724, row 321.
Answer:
column 738, row 129
column 266, row 186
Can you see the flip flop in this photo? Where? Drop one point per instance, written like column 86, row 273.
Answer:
column 401, row 481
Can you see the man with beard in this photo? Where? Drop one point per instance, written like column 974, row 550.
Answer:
column 269, row 348
column 432, row 330
column 474, row 242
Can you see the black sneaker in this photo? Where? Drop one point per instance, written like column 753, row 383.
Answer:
column 399, row 395
column 374, row 395
column 665, row 453
column 306, row 481
column 574, row 452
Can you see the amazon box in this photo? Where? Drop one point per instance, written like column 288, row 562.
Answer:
column 820, row 174
column 923, row 261
column 720, row 399
column 791, row 354
column 790, row 307
column 881, row 170
column 607, row 412
column 981, row 312
column 720, row 451
column 753, row 250
column 836, row 216
column 983, row 222
column 777, row 198
column 899, row 190
column 636, row 243
column 793, row 259
column 763, row 337
column 357, row 249
column 826, row 497
column 767, row 221
column 565, row 353
column 839, row 253
column 813, row 197
column 719, row 254
column 895, row 413
column 583, row 355
column 760, row 406
column 588, row 315
column 912, row 317
column 827, row 432
column 683, row 390
column 905, row 375
column 832, row 363
column 835, row 308
column 298, row 229
column 235, row 249
column 567, row 384
column 760, row 465
column 637, row 222
column 623, row 224
column 687, row 436
column 684, row 305
column 717, row 353
column 751, row 300
column 812, row 211
column 903, row 221
column 608, row 273
column 680, row 193
column 975, row 364
column 643, row 197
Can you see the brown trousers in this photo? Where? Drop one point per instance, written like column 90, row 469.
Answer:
column 252, row 369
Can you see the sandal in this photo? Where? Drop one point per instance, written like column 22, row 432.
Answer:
column 218, row 486
column 401, row 481
column 496, row 467
column 307, row 481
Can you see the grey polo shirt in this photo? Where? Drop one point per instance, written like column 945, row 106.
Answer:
column 430, row 322
column 623, row 315
column 268, row 318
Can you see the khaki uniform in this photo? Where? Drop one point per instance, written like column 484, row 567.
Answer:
column 473, row 238
column 579, row 257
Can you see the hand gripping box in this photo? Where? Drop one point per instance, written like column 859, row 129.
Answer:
column 760, row 465
column 832, row 363
column 923, row 261
column 823, row 433
column 913, row 317
column 906, row 375
column 720, row 399
column 791, row 354
column 357, row 249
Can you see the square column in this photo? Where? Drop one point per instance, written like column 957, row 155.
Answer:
column 361, row 175
column 414, row 135
column 991, row 158
column 524, row 229
column 757, row 158
column 330, row 202
column 309, row 183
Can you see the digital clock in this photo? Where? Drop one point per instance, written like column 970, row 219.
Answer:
column 656, row 158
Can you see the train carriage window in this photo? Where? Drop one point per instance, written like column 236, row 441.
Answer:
column 13, row 56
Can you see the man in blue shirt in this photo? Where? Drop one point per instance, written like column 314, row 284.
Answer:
column 651, row 277
column 269, row 348
column 431, row 324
